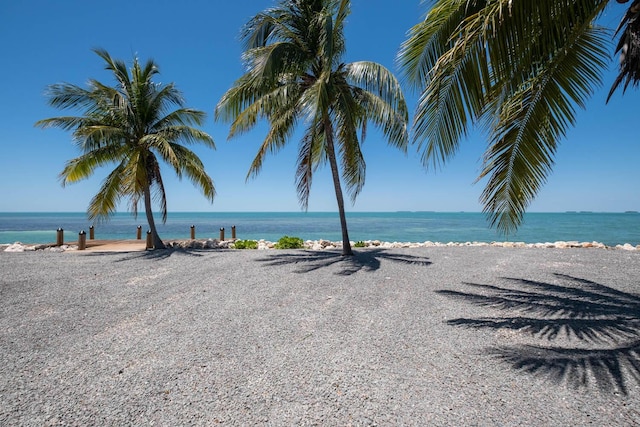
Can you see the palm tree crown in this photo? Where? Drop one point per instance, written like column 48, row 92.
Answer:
column 518, row 70
column 133, row 125
column 295, row 74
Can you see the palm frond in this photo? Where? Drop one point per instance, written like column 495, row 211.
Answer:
column 382, row 99
column 280, row 131
column 105, row 202
column 182, row 116
column 531, row 123
column 509, row 67
column 194, row 169
column 82, row 167
column 157, row 186
column 430, row 39
column 64, row 123
column 352, row 160
column 629, row 49
column 67, row 95
column 310, row 155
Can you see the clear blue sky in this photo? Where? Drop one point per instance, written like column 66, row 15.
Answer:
column 195, row 43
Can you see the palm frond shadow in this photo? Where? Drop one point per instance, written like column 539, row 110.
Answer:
column 596, row 328
column 368, row 260
column 162, row 254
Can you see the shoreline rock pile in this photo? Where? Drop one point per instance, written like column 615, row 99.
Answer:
column 320, row 245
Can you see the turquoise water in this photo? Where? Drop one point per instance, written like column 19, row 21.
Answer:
column 607, row 228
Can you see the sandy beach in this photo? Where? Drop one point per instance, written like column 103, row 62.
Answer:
column 424, row 336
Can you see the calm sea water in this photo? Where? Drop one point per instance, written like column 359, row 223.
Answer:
column 607, row 228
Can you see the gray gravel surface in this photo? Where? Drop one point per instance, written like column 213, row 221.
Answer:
column 430, row 336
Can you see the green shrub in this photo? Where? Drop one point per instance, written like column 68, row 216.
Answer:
column 359, row 244
column 246, row 244
column 287, row 242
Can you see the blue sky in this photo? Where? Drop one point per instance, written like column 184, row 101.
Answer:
column 196, row 44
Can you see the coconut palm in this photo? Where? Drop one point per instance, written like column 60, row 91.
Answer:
column 516, row 69
column 131, row 124
column 293, row 56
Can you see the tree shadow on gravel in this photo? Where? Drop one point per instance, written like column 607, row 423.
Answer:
column 156, row 255
column 598, row 326
column 368, row 260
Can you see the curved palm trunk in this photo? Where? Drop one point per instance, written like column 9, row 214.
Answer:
column 331, row 153
column 155, row 238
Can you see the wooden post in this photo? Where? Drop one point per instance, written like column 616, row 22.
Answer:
column 139, row 233
column 233, row 232
column 91, row 233
column 149, row 242
column 59, row 237
column 193, row 232
column 222, row 234
column 82, row 240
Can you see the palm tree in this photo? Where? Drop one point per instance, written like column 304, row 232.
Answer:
column 295, row 74
column 517, row 69
column 132, row 125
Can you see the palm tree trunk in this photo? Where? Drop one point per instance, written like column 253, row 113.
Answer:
column 331, row 153
column 155, row 238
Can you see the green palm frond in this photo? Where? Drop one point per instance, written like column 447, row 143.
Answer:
column 82, row 167
column 182, row 116
column 353, row 164
column 66, row 95
column 105, row 202
column 281, row 100
column 530, row 124
column 380, row 93
column 281, row 129
column 516, row 69
column 429, row 39
column 629, row 48
column 194, row 169
column 64, row 123
column 310, row 157
column 157, row 185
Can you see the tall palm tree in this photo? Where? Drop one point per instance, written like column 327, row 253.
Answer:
column 517, row 69
column 295, row 74
column 133, row 125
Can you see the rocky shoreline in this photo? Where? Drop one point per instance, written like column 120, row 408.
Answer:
column 319, row 245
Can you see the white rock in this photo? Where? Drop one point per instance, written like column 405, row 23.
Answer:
column 16, row 247
column 626, row 247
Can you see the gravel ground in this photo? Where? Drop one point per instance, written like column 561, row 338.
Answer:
column 429, row 336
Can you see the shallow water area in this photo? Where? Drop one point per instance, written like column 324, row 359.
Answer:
column 608, row 228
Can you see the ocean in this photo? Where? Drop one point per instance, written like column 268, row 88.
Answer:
column 608, row 228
